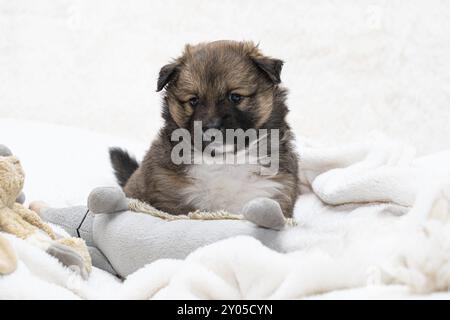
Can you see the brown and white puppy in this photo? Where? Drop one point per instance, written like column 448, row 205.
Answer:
column 225, row 85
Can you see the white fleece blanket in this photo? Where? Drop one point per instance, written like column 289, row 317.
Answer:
column 356, row 231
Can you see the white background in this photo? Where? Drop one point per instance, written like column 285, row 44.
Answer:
column 351, row 66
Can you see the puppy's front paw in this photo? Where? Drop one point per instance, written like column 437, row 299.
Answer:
column 70, row 258
column 264, row 212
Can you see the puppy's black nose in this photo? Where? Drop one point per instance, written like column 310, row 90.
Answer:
column 215, row 123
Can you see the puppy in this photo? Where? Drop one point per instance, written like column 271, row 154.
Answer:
column 219, row 86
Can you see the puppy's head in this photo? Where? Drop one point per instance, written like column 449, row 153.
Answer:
column 223, row 84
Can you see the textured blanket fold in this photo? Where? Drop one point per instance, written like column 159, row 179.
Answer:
column 371, row 216
column 380, row 170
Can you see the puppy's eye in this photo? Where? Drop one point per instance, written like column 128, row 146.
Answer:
column 235, row 98
column 193, row 101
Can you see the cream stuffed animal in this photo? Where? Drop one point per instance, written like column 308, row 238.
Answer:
column 8, row 259
column 26, row 224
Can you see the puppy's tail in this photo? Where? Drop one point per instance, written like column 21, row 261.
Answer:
column 123, row 164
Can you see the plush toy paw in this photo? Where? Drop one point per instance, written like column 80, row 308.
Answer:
column 264, row 212
column 107, row 200
column 21, row 198
column 38, row 206
column 70, row 258
column 4, row 151
column 8, row 259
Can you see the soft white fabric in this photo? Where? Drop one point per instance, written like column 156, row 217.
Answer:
column 360, row 241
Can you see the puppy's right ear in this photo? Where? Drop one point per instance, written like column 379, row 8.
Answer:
column 271, row 67
column 166, row 74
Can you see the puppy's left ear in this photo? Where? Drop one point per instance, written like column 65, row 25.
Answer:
column 166, row 74
column 270, row 66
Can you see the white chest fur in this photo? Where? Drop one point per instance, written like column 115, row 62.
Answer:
column 227, row 187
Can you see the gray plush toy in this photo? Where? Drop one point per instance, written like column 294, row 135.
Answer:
column 121, row 241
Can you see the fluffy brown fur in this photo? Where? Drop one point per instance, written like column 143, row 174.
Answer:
column 198, row 87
